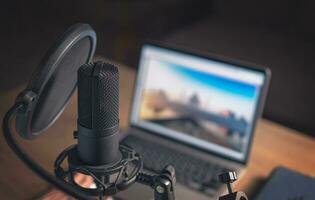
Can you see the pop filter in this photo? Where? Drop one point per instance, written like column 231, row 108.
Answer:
column 54, row 80
column 43, row 100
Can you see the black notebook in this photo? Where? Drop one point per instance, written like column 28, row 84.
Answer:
column 285, row 184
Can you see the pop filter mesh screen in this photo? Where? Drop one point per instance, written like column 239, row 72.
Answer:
column 60, row 86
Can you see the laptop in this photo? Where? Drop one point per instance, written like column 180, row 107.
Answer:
column 195, row 112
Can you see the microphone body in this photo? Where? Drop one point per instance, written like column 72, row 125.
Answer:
column 98, row 114
column 98, row 153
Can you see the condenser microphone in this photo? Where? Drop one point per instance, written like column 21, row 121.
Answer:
column 98, row 114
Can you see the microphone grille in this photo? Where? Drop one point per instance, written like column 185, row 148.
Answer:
column 98, row 95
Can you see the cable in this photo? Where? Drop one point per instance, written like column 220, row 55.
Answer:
column 60, row 184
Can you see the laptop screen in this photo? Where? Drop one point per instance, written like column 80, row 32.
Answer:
column 205, row 103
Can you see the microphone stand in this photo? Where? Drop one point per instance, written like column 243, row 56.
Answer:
column 163, row 183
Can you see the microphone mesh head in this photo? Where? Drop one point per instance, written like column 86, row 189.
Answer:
column 98, row 96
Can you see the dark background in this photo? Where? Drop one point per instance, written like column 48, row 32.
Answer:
column 278, row 34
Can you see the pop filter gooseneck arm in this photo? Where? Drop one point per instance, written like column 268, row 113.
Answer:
column 8, row 135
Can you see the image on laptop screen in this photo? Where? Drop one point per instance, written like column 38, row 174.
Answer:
column 203, row 102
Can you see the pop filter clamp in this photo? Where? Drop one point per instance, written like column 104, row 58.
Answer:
column 40, row 104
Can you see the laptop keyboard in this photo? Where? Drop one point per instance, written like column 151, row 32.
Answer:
column 194, row 173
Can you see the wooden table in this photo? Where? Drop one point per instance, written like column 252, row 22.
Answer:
column 274, row 145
